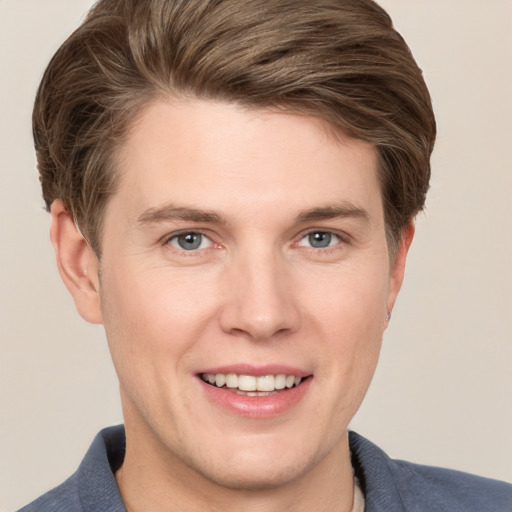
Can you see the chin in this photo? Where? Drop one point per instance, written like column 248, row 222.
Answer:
column 261, row 467
column 255, row 478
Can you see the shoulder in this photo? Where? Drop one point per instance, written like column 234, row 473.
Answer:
column 445, row 489
column 93, row 487
column 414, row 487
column 64, row 498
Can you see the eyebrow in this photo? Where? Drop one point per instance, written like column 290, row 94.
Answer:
column 341, row 210
column 171, row 212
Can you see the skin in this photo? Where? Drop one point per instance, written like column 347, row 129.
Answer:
column 255, row 292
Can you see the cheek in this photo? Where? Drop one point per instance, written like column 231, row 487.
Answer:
column 362, row 324
column 157, row 302
column 349, row 300
column 350, row 314
column 152, row 322
column 152, row 319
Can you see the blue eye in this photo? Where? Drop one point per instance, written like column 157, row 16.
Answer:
column 190, row 241
column 319, row 239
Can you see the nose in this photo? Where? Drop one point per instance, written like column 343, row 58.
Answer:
column 260, row 302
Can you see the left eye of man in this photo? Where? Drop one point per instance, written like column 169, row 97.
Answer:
column 319, row 239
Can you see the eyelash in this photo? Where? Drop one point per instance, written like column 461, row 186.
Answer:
column 174, row 236
column 341, row 240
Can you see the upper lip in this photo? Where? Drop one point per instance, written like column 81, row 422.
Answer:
column 256, row 371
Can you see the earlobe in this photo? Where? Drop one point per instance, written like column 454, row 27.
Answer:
column 77, row 263
column 398, row 267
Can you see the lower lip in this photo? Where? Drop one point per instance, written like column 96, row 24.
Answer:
column 256, row 406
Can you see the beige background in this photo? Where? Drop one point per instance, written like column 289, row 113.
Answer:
column 442, row 394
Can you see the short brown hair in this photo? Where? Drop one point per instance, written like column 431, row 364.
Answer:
column 341, row 60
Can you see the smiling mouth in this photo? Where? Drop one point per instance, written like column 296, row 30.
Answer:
column 250, row 385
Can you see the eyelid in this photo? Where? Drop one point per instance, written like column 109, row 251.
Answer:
column 340, row 234
column 315, row 231
column 343, row 238
column 165, row 240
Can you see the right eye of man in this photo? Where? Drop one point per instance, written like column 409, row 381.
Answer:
column 189, row 241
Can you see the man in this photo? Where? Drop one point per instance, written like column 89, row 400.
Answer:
column 232, row 187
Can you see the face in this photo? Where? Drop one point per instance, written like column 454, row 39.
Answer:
column 245, row 281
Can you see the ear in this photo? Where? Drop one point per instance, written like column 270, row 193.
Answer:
column 77, row 263
column 397, row 270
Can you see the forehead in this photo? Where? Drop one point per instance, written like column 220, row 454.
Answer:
column 219, row 155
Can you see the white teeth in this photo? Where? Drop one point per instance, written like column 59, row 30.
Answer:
column 246, row 383
column 231, row 380
column 265, row 383
column 249, row 384
column 280, row 381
